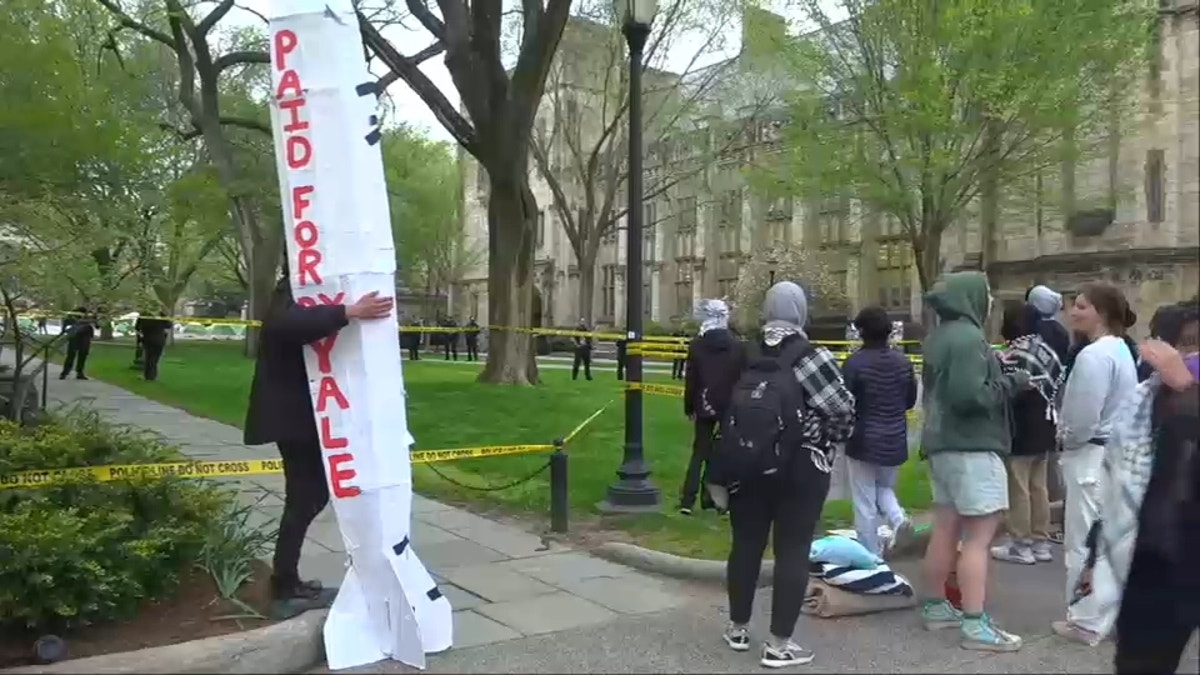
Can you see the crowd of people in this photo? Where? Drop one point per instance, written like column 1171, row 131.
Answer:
column 1116, row 418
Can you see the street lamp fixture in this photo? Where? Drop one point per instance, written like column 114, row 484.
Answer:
column 633, row 492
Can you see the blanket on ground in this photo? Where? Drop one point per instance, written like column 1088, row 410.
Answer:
column 829, row 602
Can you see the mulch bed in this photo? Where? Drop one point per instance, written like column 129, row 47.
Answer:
column 197, row 611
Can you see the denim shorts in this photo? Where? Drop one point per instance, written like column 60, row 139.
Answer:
column 974, row 483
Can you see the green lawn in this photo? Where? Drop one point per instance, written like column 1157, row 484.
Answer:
column 448, row 409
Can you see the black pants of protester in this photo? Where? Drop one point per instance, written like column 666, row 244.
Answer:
column 450, row 347
column 786, row 508
column 77, row 356
column 1157, row 617
column 583, row 357
column 152, row 352
column 472, row 350
column 305, row 495
column 703, row 444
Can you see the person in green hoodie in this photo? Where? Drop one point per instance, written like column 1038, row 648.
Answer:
column 965, row 437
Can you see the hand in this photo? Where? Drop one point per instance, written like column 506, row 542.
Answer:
column 1167, row 362
column 370, row 306
column 1022, row 380
column 1083, row 586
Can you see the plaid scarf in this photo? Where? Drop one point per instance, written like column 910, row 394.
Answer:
column 1033, row 355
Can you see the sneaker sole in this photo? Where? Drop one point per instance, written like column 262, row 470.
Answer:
column 975, row 646
column 737, row 647
column 802, row 661
column 1044, row 559
column 932, row 626
column 1014, row 561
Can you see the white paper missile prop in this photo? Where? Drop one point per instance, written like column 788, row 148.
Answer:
column 339, row 246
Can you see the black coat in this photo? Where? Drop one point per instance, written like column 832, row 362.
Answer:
column 715, row 361
column 153, row 331
column 281, row 407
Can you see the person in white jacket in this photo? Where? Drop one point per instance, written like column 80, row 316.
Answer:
column 1103, row 376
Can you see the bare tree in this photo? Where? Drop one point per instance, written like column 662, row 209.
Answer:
column 500, row 105
column 695, row 117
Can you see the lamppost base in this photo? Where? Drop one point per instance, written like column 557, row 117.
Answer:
column 631, row 496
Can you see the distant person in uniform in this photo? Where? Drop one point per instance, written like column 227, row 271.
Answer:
column 583, row 352
column 450, row 338
column 412, row 339
column 41, row 325
column 677, row 366
column 80, row 328
column 472, row 338
column 281, row 412
column 622, row 346
column 152, row 332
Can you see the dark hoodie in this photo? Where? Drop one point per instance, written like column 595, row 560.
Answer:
column 714, row 362
column 1034, row 433
column 967, row 395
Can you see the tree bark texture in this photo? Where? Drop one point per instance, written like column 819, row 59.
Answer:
column 512, row 215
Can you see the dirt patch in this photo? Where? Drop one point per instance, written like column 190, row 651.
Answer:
column 196, row 611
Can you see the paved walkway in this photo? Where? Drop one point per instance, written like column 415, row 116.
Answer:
column 504, row 582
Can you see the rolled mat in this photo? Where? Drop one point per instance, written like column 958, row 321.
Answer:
column 828, row 602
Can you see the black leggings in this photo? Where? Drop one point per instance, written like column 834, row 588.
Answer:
column 791, row 505
column 1158, row 616
column 305, row 495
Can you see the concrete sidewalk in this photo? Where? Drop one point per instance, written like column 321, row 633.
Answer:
column 504, row 582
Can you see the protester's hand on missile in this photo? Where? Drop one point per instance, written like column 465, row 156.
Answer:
column 370, row 306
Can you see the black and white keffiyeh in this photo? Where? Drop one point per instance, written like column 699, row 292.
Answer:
column 879, row 581
column 1033, row 355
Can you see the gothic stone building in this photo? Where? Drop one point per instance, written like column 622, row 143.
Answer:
column 1136, row 220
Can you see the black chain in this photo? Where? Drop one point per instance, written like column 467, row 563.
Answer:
column 494, row 488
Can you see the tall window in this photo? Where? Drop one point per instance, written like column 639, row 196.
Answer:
column 729, row 218
column 727, row 273
column 481, row 179
column 895, row 278
column 608, row 291
column 685, row 244
column 649, row 233
column 1156, row 196
column 831, row 220
column 683, row 289
column 541, row 228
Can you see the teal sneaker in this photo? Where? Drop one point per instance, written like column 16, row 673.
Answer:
column 979, row 633
column 939, row 615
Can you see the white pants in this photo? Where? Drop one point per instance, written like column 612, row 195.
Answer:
column 872, row 489
column 1083, row 476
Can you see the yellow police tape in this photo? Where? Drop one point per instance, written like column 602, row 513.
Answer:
column 226, row 468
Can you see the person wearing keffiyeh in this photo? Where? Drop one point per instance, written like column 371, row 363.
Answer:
column 1148, row 531
column 1035, row 430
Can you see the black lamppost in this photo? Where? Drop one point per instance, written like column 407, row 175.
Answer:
column 633, row 491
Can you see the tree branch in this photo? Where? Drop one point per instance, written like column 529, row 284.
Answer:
column 240, row 57
column 419, row 82
column 129, row 22
column 420, row 10
column 218, row 13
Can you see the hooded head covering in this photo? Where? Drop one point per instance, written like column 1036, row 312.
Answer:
column 785, row 311
column 962, row 295
column 1045, row 300
column 712, row 314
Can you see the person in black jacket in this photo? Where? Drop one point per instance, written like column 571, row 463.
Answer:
column 715, row 359
column 583, row 352
column 450, row 338
column 471, row 336
column 678, row 365
column 281, row 412
column 884, row 385
column 622, row 346
column 1035, row 437
column 80, row 328
column 153, row 333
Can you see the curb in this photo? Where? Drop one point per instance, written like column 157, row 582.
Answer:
column 668, row 564
column 291, row 646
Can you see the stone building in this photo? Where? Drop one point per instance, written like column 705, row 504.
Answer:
column 1135, row 217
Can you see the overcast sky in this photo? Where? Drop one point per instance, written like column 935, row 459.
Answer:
column 410, row 109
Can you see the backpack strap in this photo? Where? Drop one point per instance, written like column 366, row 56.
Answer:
column 799, row 347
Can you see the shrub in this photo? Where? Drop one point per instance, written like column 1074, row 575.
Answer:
column 83, row 552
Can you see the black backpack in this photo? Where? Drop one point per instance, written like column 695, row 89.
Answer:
column 763, row 421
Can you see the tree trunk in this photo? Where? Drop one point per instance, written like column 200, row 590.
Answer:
column 262, row 266
column 989, row 202
column 587, row 286
column 512, row 214
column 929, row 267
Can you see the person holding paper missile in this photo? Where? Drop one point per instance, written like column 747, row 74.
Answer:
column 280, row 411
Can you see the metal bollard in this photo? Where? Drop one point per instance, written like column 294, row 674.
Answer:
column 558, row 488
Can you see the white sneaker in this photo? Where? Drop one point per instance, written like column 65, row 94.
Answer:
column 790, row 654
column 1041, row 551
column 1019, row 553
